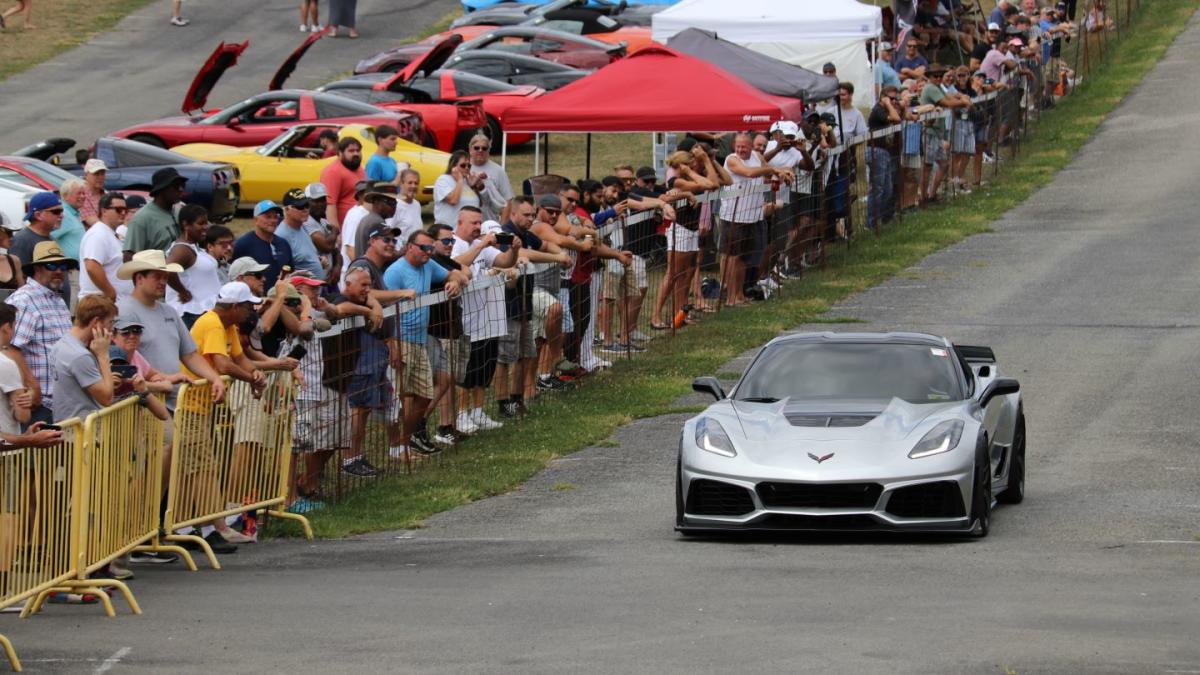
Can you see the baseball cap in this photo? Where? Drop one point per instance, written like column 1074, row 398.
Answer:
column 290, row 294
column 994, row 26
column 134, row 201
column 301, row 280
column 361, row 187
column 829, row 118
column 490, row 226
column 266, row 206
column 295, row 198
column 646, row 172
column 789, row 128
column 94, row 165
column 686, row 144
column 828, row 67
column 554, row 202
column 126, row 321
column 383, row 229
column 236, row 292
column 117, row 355
column 315, row 191
column 885, row 46
column 245, row 265
column 1016, row 41
column 42, row 201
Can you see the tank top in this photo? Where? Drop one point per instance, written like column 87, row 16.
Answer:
column 744, row 208
column 201, row 279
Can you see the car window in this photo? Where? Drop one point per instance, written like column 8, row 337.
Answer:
column 428, row 86
column 819, row 370
column 470, row 84
column 485, row 67
column 9, row 174
column 270, row 111
column 132, row 153
column 329, row 106
column 48, row 172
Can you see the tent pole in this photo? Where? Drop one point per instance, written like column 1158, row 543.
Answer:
column 546, row 157
column 504, row 150
column 537, row 149
column 587, row 171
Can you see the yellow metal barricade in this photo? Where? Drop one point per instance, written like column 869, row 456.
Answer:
column 117, row 499
column 230, row 457
column 37, row 542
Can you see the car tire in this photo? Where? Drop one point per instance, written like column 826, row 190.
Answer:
column 149, row 139
column 494, row 132
column 981, row 495
column 1015, row 492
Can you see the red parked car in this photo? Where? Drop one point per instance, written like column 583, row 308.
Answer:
column 420, row 82
column 260, row 118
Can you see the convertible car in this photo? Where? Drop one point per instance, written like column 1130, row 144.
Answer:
column 293, row 159
column 855, row 431
column 422, row 81
column 260, row 118
column 211, row 184
column 562, row 47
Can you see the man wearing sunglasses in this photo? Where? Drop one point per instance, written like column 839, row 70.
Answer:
column 380, row 200
column 100, row 252
column 45, row 215
column 263, row 244
column 497, row 190
column 305, row 256
column 42, row 320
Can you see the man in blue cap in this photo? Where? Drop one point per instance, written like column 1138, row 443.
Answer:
column 263, row 244
column 155, row 226
column 45, row 215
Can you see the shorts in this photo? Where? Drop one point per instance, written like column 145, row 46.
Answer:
column 542, row 302
column 321, row 424
column 981, row 134
column 962, row 141
column 517, row 343
column 805, row 204
column 737, row 239
column 481, row 364
column 417, row 379
column 194, row 447
column 934, row 150
column 564, row 299
column 634, row 277
column 910, row 161
column 249, row 418
column 448, row 355
column 682, row 240
column 169, row 429
column 369, row 390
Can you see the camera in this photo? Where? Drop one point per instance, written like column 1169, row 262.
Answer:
column 504, row 238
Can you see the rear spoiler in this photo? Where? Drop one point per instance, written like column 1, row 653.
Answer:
column 972, row 354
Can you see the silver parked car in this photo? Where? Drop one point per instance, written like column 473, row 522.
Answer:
column 855, row 431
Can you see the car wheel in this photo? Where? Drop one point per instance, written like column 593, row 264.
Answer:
column 1015, row 492
column 494, row 132
column 981, row 496
column 149, row 140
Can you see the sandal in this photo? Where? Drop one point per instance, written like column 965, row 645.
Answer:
column 659, row 326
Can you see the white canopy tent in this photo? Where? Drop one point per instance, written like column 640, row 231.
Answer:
column 807, row 33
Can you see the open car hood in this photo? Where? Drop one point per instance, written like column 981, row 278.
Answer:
column 425, row 65
column 224, row 57
column 289, row 65
column 46, row 149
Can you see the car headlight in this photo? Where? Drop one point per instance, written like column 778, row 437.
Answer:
column 940, row 439
column 711, row 436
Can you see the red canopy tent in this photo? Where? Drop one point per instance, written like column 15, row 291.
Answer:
column 655, row 89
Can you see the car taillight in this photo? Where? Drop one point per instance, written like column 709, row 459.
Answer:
column 471, row 115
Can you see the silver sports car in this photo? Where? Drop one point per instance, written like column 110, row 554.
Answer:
column 854, row 431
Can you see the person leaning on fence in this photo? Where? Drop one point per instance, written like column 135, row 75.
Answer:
column 576, row 222
column 689, row 174
column 15, row 397
column 551, row 321
column 789, row 149
column 263, row 244
column 962, row 131
column 42, row 320
column 937, row 130
column 742, row 215
column 448, row 345
column 881, row 204
column 416, row 271
column 517, row 354
column 477, row 247
column 324, row 235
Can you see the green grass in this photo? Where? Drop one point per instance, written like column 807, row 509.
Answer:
column 61, row 25
column 498, row 462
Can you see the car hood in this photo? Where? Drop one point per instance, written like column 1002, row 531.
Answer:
column 289, row 64
column 872, row 421
column 213, row 152
column 224, row 57
column 431, row 61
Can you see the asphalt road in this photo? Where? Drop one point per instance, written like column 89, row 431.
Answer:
column 140, row 70
column 1088, row 293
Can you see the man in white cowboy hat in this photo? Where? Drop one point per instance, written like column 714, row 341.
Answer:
column 42, row 320
column 100, row 252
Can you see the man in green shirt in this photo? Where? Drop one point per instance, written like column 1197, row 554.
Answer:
column 935, row 145
column 155, row 227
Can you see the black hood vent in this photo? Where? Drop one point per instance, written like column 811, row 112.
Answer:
column 829, row 420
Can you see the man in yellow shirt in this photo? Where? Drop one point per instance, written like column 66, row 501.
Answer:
column 216, row 334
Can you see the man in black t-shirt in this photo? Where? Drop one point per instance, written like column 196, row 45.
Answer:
column 881, row 205
column 448, row 345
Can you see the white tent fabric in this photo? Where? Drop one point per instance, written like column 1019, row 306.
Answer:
column 805, row 33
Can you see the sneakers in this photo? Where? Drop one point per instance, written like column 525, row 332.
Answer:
column 359, row 466
column 216, row 542
column 508, row 409
column 550, row 383
column 420, row 443
column 566, row 366
column 303, row 28
column 614, row 348
column 234, row 537
column 316, row 28
column 179, row 21
column 633, row 349
column 444, row 437
column 482, row 420
column 119, row 572
column 466, row 423
column 152, row 558
column 305, row 505
column 598, row 364
column 640, row 336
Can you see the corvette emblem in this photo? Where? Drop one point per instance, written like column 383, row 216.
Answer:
column 818, row 460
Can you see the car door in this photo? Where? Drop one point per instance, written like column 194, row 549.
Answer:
column 998, row 415
column 496, row 68
column 255, row 121
column 271, row 177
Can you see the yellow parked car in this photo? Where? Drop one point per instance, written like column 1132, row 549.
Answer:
column 293, row 159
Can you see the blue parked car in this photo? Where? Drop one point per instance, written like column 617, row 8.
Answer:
column 216, row 187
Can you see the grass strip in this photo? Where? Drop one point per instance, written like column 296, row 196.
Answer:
column 62, row 25
column 499, row 461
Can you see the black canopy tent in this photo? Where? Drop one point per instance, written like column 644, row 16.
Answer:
column 765, row 73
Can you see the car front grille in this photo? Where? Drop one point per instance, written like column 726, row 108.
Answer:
column 846, row 420
column 788, row 521
column 820, row 495
column 927, row 500
column 714, row 498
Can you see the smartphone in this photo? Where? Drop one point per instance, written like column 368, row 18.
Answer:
column 51, row 427
column 504, row 238
column 297, row 352
column 126, row 371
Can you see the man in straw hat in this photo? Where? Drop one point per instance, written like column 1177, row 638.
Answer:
column 42, row 320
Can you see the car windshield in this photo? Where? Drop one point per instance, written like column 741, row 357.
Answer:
column 48, row 172
column 133, row 153
column 839, row 370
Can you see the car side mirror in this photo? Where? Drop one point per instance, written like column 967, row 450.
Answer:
column 709, row 385
column 234, row 122
column 985, row 371
column 1002, row 386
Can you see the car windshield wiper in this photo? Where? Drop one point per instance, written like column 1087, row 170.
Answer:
column 760, row 399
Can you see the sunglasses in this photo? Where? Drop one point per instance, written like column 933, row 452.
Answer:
column 464, row 166
column 551, row 211
column 56, row 266
column 480, row 147
column 448, row 241
column 300, row 206
column 56, row 210
column 627, row 181
column 132, row 330
column 387, row 240
column 292, row 303
column 425, row 248
column 256, row 275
